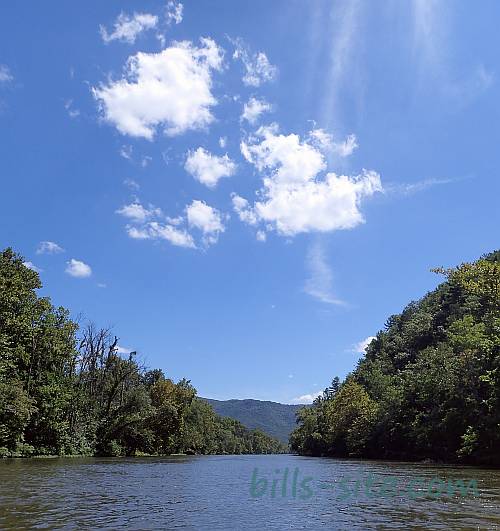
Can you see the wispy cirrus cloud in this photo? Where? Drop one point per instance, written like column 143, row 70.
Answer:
column 408, row 189
column 5, row 74
column 433, row 57
column 319, row 285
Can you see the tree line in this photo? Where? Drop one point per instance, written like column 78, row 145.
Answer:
column 429, row 384
column 66, row 390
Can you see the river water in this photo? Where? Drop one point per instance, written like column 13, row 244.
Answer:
column 245, row 492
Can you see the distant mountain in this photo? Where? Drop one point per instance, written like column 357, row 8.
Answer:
column 272, row 418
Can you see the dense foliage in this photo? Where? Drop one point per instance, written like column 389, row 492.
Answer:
column 429, row 384
column 65, row 390
column 278, row 420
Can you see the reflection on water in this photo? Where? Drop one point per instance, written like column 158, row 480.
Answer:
column 244, row 492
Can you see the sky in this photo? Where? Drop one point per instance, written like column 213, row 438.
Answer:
column 246, row 191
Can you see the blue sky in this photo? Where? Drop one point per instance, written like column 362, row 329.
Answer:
column 246, row 191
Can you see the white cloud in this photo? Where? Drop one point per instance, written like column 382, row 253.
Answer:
column 32, row 266
column 78, row 269
column 162, row 231
column 258, row 69
column 346, row 147
column 294, row 199
column 149, row 223
column 101, row 285
column 361, row 347
column 205, row 218
column 407, row 189
column 126, row 28
column 131, row 184
column 122, row 350
column 49, row 248
column 169, row 89
column 138, row 213
column 261, row 236
column 433, row 57
column 207, row 168
column 223, row 142
column 174, row 12
column 253, row 109
column 5, row 74
column 72, row 113
column 320, row 283
column 325, row 142
column 126, row 152
column 307, row 399
column 242, row 207
column 342, row 75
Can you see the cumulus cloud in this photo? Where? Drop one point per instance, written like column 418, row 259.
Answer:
column 32, row 266
column 223, row 142
column 245, row 212
column 205, row 218
column 361, row 347
column 149, row 223
column 78, row 269
column 253, row 109
column 295, row 198
column 174, row 12
column 162, row 231
column 47, row 247
column 207, row 168
column 5, row 74
column 170, row 90
column 308, row 398
column 137, row 212
column 126, row 28
column 258, row 69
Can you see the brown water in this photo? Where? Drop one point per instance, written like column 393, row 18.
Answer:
column 217, row 492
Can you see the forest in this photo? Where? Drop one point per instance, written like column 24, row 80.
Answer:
column 66, row 390
column 428, row 387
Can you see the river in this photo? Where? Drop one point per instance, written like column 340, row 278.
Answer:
column 245, row 492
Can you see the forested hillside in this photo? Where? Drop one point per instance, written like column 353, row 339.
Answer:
column 429, row 385
column 273, row 418
column 66, row 390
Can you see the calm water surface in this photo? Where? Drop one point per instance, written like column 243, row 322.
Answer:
column 236, row 492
